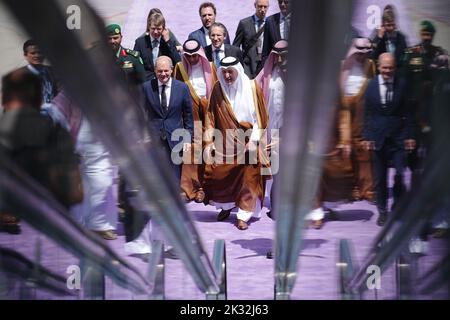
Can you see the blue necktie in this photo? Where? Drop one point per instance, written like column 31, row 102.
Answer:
column 217, row 58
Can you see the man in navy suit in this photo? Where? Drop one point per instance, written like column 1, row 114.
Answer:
column 152, row 45
column 207, row 12
column 388, row 131
column 218, row 50
column 250, row 35
column 276, row 28
column 169, row 107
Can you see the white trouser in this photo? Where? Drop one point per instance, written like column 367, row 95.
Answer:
column 143, row 243
column 316, row 214
column 241, row 214
column 98, row 211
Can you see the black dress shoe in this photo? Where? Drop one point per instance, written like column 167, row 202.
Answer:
column 224, row 214
column 269, row 255
column 382, row 218
column 333, row 215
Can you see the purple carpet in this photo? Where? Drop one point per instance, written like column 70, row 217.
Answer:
column 250, row 274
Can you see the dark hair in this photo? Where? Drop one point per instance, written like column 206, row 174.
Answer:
column 154, row 10
column 28, row 43
column 389, row 14
column 206, row 5
column 157, row 19
column 24, row 86
column 220, row 25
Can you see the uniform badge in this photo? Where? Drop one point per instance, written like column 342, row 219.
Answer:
column 127, row 65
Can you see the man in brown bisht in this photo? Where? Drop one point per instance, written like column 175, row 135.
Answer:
column 200, row 75
column 235, row 140
column 348, row 172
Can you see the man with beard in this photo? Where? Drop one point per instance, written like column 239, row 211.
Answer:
column 128, row 60
column 417, row 70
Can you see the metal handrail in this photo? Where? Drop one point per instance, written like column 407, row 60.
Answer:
column 83, row 60
column 35, row 275
column 310, row 95
column 220, row 267
column 31, row 202
column 156, row 271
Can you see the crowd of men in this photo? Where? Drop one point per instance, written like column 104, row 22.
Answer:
column 230, row 98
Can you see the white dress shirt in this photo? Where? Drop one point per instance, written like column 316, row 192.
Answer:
column 221, row 52
column 283, row 22
column 208, row 40
column 383, row 88
column 197, row 79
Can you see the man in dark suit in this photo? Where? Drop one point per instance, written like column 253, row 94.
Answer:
column 218, row 50
column 388, row 130
column 35, row 59
column 207, row 12
column 250, row 35
column 276, row 28
column 169, row 107
column 388, row 38
column 152, row 45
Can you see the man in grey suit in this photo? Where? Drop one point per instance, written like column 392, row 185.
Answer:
column 250, row 36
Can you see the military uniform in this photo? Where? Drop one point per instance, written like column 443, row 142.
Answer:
column 418, row 73
column 131, row 63
column 128, row 60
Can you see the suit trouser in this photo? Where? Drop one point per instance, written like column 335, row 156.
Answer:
column 389, row 151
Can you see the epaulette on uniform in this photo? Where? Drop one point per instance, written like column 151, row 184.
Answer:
column 415, row 49
column 133, row 53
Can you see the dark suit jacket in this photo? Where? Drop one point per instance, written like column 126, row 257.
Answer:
column 245, row 37
column 271, row 34
column 143, row 45
column 178, row 116
column 393, row 121
column 230, row 51
column 50, row 78
column 380, row 46
column 199, row 35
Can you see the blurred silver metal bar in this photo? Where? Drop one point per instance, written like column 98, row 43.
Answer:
column 346, row 269
column 32, row 275
column 156, row 269
column 220, row 267
column 93, row 282
column 316, row 47
column 84, row 62
column 404, row 277
column 31, row 202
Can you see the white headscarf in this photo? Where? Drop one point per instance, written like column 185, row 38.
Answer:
column 243, row 104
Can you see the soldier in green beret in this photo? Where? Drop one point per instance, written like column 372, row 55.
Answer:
column 129, row 60
column 417, row 63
